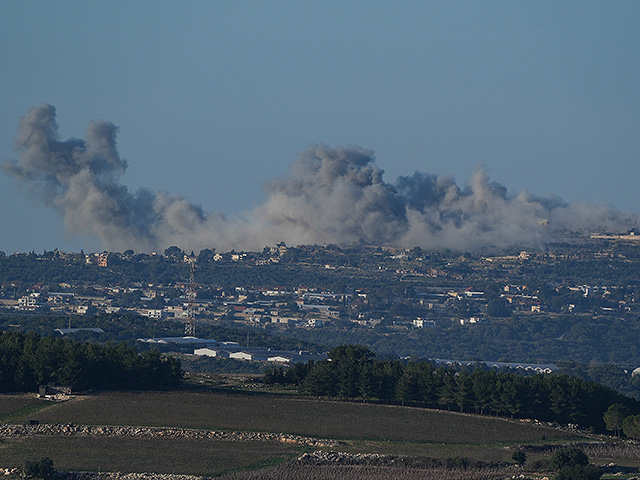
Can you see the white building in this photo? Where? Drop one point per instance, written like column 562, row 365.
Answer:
column 422, row 323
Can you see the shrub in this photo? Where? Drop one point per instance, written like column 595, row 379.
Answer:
column 568, row 457
column 579, row 472
column 42, row 468
column 519, row 456
column 573, row 464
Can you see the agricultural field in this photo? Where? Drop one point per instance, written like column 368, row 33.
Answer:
column 295, row 415
column 350, row 428
column 367, row 472
column 17, row 405
column 168, row 455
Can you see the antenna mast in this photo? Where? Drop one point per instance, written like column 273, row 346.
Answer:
column 190, row 324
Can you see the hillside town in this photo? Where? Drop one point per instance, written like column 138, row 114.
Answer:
column 421, row 291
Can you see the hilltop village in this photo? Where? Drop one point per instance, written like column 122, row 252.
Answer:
column 401, row 289
column 328, row 294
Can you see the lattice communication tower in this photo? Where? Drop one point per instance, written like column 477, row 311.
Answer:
column 190, row 324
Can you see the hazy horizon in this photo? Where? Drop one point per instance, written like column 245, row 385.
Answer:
column 534, row 104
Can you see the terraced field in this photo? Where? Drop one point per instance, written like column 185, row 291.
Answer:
column 406, row 432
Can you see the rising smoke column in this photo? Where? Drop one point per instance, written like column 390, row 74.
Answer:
column 80, row 180
column 484, row 216
column 335, row 195
column 331, row 195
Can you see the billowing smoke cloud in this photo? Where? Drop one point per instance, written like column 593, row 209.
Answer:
column 332, row 195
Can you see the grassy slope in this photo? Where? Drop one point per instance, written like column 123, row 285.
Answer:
column 12, row 406
column 175, row 455
column 296, row 415
column 365, row 427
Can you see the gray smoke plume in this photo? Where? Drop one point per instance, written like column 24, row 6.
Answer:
column 332, row 195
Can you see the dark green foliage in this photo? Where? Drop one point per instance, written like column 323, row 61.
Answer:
column 573, row 464
column 519, row 456
column 568, row 457
column 587, row 472
column 344, row 375
column 408, row 385
column 28, row 360
column 353, row 372
column 498, row 307
column 614, row 416
column 42, row 468
column 631, row 426
column 611, row 375
column 293, row 375
column 464, row 391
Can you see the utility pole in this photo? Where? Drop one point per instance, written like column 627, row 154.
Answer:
column 190, row 324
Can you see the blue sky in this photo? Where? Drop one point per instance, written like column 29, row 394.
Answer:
column 212, row 99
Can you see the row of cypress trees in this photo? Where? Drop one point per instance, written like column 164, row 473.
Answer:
column 353, row 372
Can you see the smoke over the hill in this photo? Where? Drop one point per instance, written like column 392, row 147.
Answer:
column 332, row 195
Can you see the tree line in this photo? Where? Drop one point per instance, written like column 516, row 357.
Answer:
column 353, row 372
column 28, row 360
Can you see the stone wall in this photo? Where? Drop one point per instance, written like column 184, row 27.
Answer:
column 57, row 430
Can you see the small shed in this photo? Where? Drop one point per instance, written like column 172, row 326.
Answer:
column 52, row 390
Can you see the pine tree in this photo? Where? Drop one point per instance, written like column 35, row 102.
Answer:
column 614, row 417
